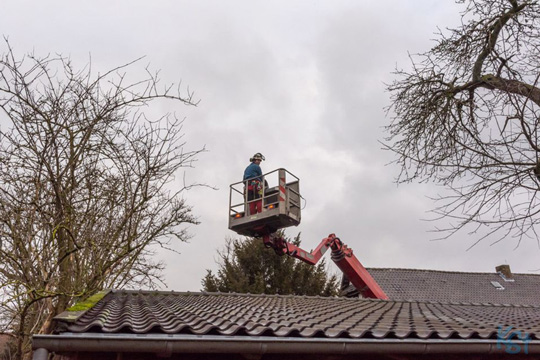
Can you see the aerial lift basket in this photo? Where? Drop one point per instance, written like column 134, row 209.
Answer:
column 280, row 205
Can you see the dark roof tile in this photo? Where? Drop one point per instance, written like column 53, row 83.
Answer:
column 288, row 316
column 455, row 287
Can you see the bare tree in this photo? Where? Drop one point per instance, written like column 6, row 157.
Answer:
column 86, row 186
column 467, row 116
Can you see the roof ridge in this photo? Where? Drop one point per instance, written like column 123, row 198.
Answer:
column 203, row 293
column 446, row 271
column 334, row 298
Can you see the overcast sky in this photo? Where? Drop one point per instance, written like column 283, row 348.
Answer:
column 301, row 82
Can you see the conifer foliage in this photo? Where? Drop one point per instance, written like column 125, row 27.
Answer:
column 246, row 266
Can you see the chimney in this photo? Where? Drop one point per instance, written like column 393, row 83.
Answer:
column 504, row 272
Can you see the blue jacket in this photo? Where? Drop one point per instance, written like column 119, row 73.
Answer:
column 253, row 170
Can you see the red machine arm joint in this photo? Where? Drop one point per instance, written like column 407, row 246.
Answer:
column 342, row 255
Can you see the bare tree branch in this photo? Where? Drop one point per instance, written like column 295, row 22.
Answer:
column 467, row 116
column 88, row 186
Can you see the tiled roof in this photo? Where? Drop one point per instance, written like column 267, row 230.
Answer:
column 146, row 312
column 432, row 285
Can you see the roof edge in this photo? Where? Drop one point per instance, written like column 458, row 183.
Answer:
column 73, row 313
column 167, row 344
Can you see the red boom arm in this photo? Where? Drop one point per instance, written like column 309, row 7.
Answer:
column 341, row 254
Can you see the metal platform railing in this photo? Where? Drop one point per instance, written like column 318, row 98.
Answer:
column 280, row 203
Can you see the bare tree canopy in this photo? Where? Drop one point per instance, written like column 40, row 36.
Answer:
column 87, row 190
column 467, row 116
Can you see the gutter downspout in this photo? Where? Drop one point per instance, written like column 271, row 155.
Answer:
column 40, row 354
column 169, row 344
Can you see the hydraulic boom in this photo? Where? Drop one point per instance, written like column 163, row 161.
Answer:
column 342, row 255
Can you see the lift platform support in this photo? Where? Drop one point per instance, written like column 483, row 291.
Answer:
column 342, row 255
column 281, row 208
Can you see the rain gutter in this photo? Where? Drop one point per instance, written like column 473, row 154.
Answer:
column 164, row 344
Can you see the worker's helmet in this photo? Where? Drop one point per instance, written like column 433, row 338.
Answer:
column 257, row 156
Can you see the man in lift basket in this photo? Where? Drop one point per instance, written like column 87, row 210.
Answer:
column 254, row 180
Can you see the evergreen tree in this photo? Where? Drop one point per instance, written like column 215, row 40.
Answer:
column 247, row 266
